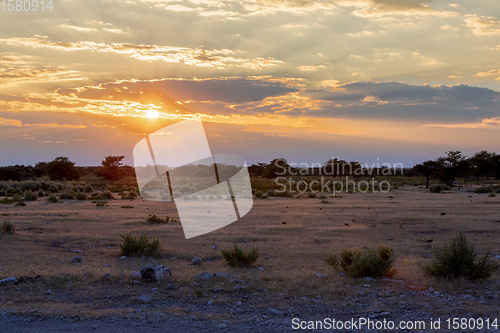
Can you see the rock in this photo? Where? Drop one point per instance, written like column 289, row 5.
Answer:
column 196, row 261
column 239, row 287
column 144, row 299
column 276, row 312
column 106, row 265
column 222, row 275
column 77, row 251
column 260, row 268
column 77, row 259
column 203, row 276
column 123, row 258
column 321, row 275
column 8, row 281
column 154, row 273
column 218, row 289
column 210, row 302
column 135, row 275
column 171, row 286
column 106, row 276
column 48, row 292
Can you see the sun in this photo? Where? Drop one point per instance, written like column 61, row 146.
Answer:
column 152, row 114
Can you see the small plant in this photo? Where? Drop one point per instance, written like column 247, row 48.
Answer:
column 127, row 206
column 436, row 188
column 7, row 228
column 325, row 201
column 198, row 293
column 101, row 204
column 491, row 195
column 53, row 198
column 155, row 219
column 5, row 201
column 80, row 195
column 366, row 263
column 322, row 196
column 139, row 246
column 236, row 257
column 483, row 189
column 336, row 196
column 104, row 195
column 458, row 259
column 129, row 195
column 20, row 203
column 69, row 195
column 390, row 197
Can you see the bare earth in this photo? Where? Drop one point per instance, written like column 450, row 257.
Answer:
column 293, row 237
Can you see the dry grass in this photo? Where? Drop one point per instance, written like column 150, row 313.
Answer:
column 291, row 253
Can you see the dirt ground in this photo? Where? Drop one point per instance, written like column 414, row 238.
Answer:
column 290, row 279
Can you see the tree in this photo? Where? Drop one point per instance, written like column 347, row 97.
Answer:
column 275, row 168
column 40, row 169
column 453, row 165
column 483, row 164
column 111, row 167
column 428, row 169
column 61, row 168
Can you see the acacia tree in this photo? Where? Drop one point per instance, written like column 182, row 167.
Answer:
column 111, row 167
column 428, row 169
column 453, row 165
column 61, row 168
column 483, row 164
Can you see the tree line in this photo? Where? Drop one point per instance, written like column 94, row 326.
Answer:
column 447, row 169
column 61, row 168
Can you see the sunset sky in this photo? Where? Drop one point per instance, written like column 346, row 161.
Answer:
column 398, row 80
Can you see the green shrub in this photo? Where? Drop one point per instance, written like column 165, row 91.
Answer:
column 5, row 201
column 139, row 246
column 101, row 204
column 436, row 188
column 458, row 259
column 236, row 257
column 53, row 198
column 104, row 195
column 69, row 195
column 127, row 206
column 365, row 263
column 492, row 195
column 81, row 195
column 325, row 201
column 322, row 196
column 30, row 196
column 20, row 203
column 483, row 189
column 7, row 228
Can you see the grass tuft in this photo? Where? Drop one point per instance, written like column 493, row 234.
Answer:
column 236, row 257
column 139, row 246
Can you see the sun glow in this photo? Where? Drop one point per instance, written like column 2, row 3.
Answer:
column 152, row 114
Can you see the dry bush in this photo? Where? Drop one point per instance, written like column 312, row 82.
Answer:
column 365, row 263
